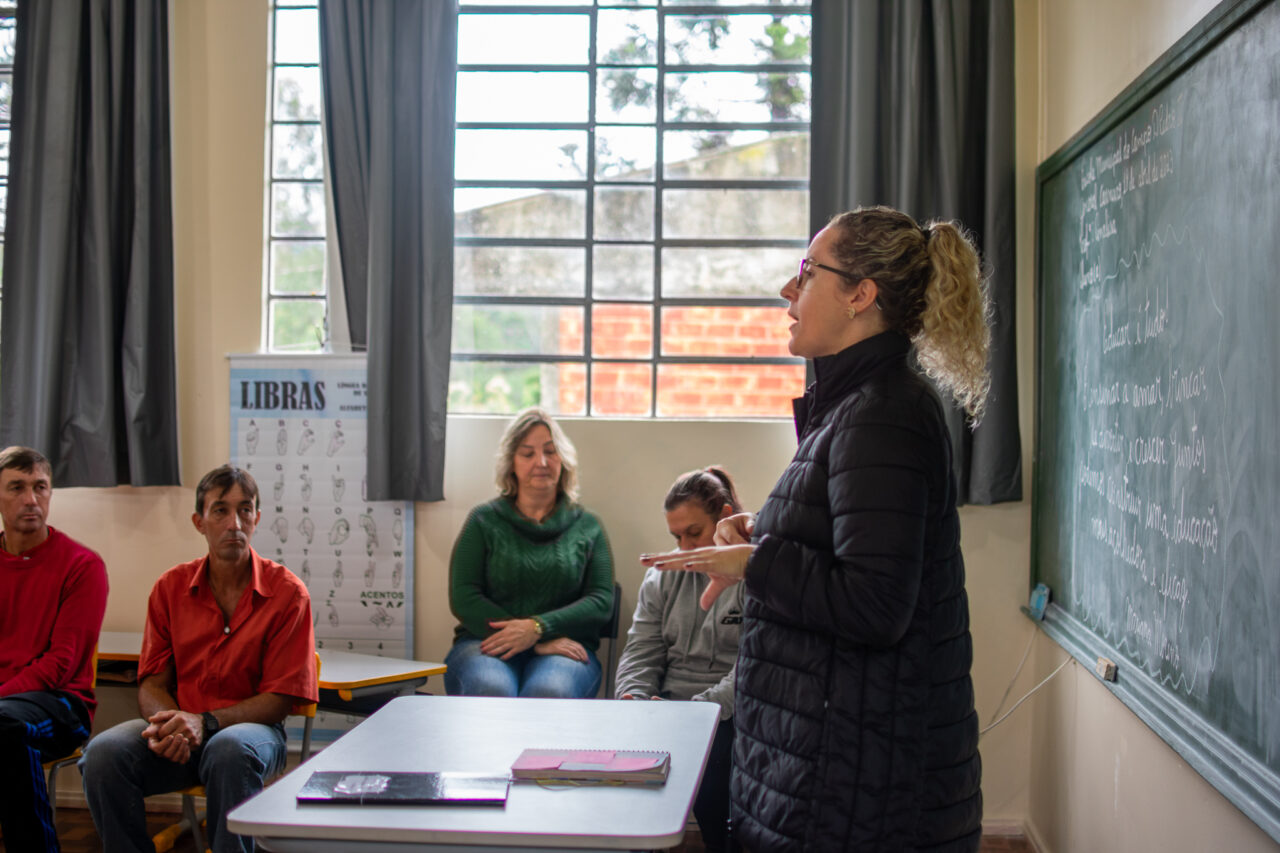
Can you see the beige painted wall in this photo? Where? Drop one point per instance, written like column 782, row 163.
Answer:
column 1102, row 780
column 219, row 86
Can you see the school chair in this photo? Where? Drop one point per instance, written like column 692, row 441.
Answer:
column 194, row 818
column 54, row 765
column 610, row 632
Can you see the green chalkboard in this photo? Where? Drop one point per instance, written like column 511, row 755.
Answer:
column 1157, row 454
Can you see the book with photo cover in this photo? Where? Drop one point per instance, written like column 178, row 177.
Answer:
column 404, row 788
column 616, row 766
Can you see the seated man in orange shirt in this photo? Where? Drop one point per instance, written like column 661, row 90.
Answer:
column 229, row 648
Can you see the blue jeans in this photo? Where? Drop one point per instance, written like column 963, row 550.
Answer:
column 34, row 727
column 473, row 673
column 119, row 770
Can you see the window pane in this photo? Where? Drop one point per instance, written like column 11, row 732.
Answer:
column 624, row 213
column 736, row 2
column 749, row 272
column 4, row 149
column 621, row 331
column 735, row 155
column 297, row 94
column 297, row 210
column 622, row 272
column 506, row 387
column 725, row 330
column 738, row 96
column 626, row 38
column 8, row 30
column 522, row 96
column 514, row 212
column 6, row 96
column 728, row 390
column 297, row 325
column 621, row 389
column 297, row 152
column 297, row 35
column 736, row 39
column 522, row 329
column 297, row 266
column 521, row 155
column 523, row 39
column 627, row 94
column 545, row 2
column 735, row 213
column 626, row 153
column 523, row 270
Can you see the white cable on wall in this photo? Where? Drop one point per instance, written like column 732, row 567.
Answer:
column 1028, row 695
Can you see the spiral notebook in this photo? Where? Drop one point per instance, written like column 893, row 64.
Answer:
column 614, row 766
column 404, row 789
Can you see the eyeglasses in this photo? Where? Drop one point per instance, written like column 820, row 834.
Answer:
column 804, row 273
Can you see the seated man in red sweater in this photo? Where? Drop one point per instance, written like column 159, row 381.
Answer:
column 229, row 648
column 53, row 591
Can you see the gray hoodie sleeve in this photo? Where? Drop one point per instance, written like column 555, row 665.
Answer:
column 721, row 693
column 644, row 660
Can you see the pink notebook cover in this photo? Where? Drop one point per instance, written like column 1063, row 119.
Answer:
column 601, row 760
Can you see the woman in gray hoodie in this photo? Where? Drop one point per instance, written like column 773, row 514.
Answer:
column 677, row 650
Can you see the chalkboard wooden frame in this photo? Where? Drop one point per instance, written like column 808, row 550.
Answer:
column 1248, row 783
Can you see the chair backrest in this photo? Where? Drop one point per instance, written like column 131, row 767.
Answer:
column 610, row 632
column 610, row 629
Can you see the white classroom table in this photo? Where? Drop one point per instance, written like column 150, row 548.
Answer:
column 484, row 735
column 120, row 645
column 353, row 675
column 350, row 675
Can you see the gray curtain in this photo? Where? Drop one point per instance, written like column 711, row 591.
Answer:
column 389, row 69
column 87, row 371
column 913, row 108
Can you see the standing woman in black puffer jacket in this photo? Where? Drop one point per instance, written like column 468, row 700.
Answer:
column 855, row 721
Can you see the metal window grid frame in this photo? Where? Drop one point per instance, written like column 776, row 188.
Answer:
column 272, row 296
column 659, row 184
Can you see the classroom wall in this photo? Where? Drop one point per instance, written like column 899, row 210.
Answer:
column 1072, row 764
column 1100, row 779
column 219, row 71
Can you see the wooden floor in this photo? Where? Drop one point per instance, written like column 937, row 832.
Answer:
column 77, row 834
column 75, row 829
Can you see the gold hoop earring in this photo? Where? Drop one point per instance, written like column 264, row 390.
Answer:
column 851, row 313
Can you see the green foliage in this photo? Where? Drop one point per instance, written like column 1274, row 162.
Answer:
column 299, row 325
column 494, row 328
column 298, row 267
column 494, row 388
column 782, row 92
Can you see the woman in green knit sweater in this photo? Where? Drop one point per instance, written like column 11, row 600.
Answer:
column 531, row 577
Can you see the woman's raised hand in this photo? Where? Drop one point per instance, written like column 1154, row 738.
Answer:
column 724, row 565
column 736, row 529
column 510, row 637
column 571, row 649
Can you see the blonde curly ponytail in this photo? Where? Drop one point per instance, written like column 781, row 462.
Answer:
column 955, row 331
column 930, row 286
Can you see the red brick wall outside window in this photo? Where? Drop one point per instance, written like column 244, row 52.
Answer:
column 622, row 388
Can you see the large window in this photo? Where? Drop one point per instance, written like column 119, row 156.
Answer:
column 296, row 316
column 631, row 191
